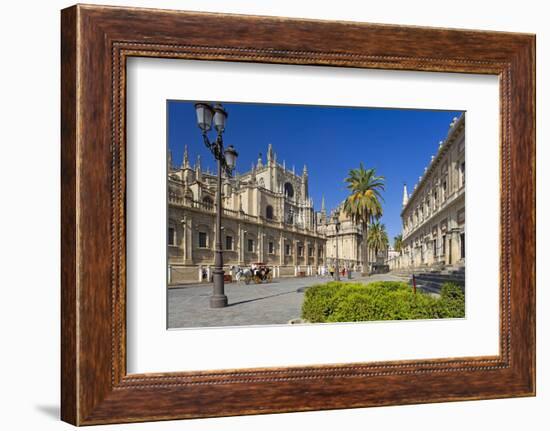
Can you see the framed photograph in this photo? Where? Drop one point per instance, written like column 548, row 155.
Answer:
column 267, row 215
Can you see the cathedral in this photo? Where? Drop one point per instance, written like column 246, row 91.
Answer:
column 268, row 216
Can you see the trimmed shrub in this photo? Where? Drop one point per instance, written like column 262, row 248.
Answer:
column 323, row 299
column 389, row 285
column 320, row 302
column 382, row 300
column 452, row 302
column 452, row 291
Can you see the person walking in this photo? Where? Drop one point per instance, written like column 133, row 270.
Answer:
column 331, row 271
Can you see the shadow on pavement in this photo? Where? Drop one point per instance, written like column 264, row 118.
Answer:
column 263, row 297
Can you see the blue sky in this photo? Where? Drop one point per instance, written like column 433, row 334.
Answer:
column 398, row 143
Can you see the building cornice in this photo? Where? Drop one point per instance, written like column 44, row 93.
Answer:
column 454, row 132
column 248, row 218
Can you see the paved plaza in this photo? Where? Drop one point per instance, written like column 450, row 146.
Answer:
column 272, row 303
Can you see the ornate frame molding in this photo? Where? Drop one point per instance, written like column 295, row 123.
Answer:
column 96, row 41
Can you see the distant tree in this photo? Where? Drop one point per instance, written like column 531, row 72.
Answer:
column 398, row 243
column 377, row 238
column 363, row 205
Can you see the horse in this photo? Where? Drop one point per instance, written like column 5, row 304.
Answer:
column 245, row 273
column 254, row 273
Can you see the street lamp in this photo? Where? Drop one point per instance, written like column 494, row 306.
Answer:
column 336, row 219
column 227, row 159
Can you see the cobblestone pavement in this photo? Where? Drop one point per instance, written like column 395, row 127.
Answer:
column 272, row 303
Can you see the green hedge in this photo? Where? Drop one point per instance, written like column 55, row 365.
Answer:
column 381, row 300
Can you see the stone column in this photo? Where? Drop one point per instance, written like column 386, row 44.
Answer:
column 187, row 240
column 453, row 164
column 260, row 244
column 316, row 254
column 439, row 242
column 454, row 247
column 281, row 249
column 183, row 242
column 240, row 247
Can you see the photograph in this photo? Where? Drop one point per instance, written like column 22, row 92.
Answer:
column 251, row 215
column 297, row 214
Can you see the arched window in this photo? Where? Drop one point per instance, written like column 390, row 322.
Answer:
column 271, row 245
column 207, row 202
column 289, row 190
column 290, row 216
column 269, row 212
column 189, row 196
column 171, row 235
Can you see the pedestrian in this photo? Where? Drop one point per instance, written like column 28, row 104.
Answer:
column 331, row 270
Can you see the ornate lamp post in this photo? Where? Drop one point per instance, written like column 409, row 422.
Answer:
column 227, row 160
column 336, row 218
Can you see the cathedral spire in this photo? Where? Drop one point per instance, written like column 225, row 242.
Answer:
column 304, row 185
column 270, row 155
column 323, row 209
column 260, row 163
column 198, row 175
column 253, row 173
column 170, row 165
column 185, row 163
column 405, row 196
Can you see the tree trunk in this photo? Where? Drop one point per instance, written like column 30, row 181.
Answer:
column 366, row 257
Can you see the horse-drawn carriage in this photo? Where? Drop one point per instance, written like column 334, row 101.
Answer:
column 258, row 272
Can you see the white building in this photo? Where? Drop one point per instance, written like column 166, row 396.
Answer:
column 433, row 215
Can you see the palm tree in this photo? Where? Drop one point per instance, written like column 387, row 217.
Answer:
column 398, row 243
column 363, row 204
column 377, row 237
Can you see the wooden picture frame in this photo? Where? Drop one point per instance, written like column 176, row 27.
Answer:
column 95, row 43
